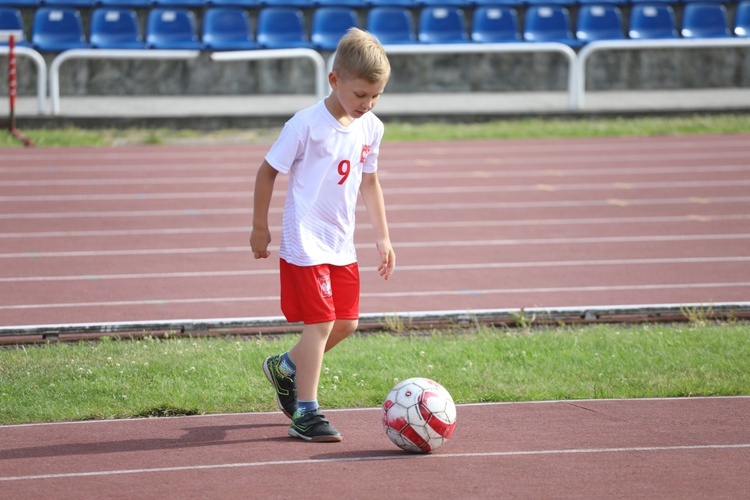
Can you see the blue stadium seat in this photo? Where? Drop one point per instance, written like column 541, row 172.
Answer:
column 391, row 25
column 515, row 4
column 705, row 20
column 329, row 24
column 171, row 29
column 495, row 25
column 354, row 4
column 113, row 28
column 301, row 4
column 742, row 19
column 392, row 3
column 21, row 3
column 548, row 23
column 125, row 4
column 618, row 3
column 463, row 4
column 652, row 21
column 542, row 3
column 57, row 29
column 442, row 25
column 10, row 19
column 227, row 28
column 599, row 22
column 180, row 4
column 245, row 4
column 281, row 28
column 72, row 4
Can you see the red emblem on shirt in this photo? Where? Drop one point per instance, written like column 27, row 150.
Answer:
column 365, row 152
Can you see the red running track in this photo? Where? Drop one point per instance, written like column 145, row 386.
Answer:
column 160, row 233
column 648, row 448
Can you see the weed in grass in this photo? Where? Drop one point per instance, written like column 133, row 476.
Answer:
column 394, row 323
column 697, row 315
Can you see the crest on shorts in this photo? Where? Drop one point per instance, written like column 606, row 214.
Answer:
column 325, row 285
column 363, row 155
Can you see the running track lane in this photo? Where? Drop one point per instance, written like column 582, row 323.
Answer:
column 160, row 233
column 643, row 448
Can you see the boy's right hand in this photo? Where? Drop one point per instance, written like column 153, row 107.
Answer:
column 259, row 241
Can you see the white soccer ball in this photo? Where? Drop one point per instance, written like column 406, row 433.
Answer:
column 419, row 415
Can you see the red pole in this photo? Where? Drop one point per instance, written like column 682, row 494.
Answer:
column 12, row 80
column 12, row 90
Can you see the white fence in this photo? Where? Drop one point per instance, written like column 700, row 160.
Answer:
column 321, row 82
column 41, row 73
column 54, row 68
column 579, row 92
column 576, row 85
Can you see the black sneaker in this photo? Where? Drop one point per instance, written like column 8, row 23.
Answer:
column 313, row 426
column 286, row 391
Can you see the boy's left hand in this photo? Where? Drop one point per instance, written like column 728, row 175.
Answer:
column 387, row 259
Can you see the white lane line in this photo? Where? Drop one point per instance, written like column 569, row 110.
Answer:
column 690, row 218
column 153, row 232
column 395, row 174
column 201, row 195
column 108, row 214
column 427, row 207
column 426, row 293
column 401, row 269
column 577, row 151
column 395, row 456
column 484, row 188
column 127, row 181
column 402, row 245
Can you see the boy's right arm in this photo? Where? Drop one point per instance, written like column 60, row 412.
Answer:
column 260, row 237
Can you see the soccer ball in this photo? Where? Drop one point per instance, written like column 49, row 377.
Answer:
column 419, row 415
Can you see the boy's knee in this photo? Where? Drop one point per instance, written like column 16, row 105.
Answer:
column 346, row 326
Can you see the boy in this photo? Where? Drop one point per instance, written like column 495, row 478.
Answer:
column 330, row 152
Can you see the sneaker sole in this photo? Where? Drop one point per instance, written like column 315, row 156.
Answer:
column 315, row 439
column 267, row 372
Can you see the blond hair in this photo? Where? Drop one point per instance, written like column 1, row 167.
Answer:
column 360, row 55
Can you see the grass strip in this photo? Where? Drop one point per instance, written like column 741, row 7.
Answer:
column 182, row 376
column 431, row 131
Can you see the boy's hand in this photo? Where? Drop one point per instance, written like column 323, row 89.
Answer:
column 259, row 241
column 387, row 259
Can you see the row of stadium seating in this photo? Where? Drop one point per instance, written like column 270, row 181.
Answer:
column 230, row 28
column 357, row 4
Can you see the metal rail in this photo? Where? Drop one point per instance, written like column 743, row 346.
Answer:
column 484, row 48
column 41, row 72
column 607, row 45
column 54, row 69
column 321, row 81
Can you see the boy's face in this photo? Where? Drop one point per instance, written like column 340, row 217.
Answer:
column 355, row 95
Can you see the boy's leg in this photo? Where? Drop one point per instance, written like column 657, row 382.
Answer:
column 283, row 383
column 308, row 423
column 345, row 284
column 308, row 356
column 342, row 328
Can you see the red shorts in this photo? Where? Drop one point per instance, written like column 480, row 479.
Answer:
column 318, row 294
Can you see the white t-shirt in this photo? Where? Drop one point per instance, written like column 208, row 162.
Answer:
column 325, row 162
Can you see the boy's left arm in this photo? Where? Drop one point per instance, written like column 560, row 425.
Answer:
column 372, row 194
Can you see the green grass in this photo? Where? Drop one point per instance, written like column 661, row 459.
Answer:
column 180, row 376
column 524, row 128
